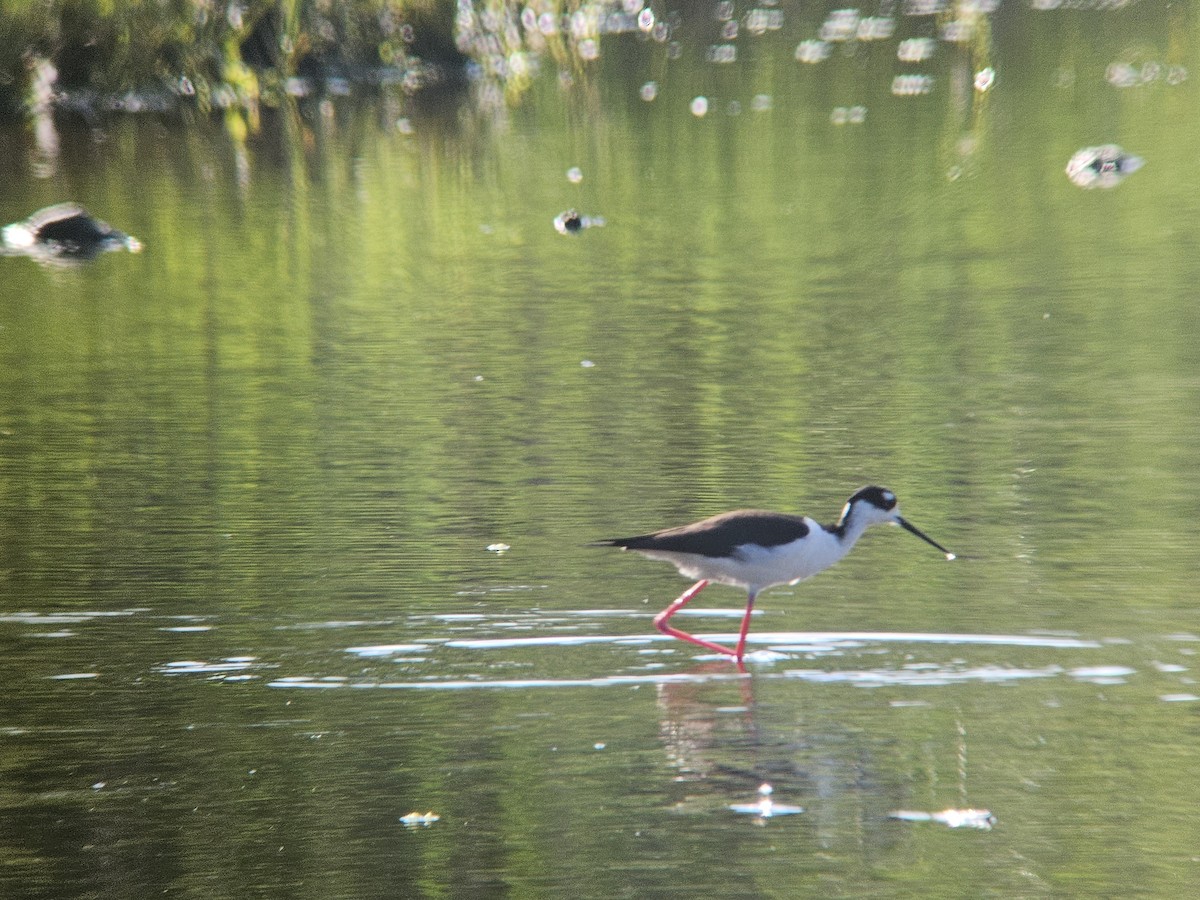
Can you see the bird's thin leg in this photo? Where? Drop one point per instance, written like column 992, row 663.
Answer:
column 662, row 619
column 741, row 645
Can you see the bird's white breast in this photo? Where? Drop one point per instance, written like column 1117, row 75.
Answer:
column 755, row 567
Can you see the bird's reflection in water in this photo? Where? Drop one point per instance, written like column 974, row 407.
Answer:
column 733, row 753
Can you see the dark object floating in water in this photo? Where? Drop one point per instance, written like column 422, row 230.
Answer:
column 571, row 222
column 66, row 231
column 1105, row 166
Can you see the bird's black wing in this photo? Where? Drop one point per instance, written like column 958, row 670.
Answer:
column 720, row 535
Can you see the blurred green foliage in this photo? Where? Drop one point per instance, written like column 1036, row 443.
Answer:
column 115, row 46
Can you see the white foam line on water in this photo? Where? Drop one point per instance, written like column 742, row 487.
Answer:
column 923, row 678
column 876, row 678
column 800, row 640
column 68, row 618
column 304, row 683
column 565, row 640
column 387, row 649
column 605, row 681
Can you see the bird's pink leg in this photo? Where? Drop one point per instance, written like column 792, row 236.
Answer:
column 741, row 647
column 661, row 620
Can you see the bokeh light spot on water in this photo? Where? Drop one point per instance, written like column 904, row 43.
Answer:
column 840, row 25
column 649, row 91
column 984, row 79
column 574, row 174
column 722, row 54
column 759, row 20
column 915, row 49
column 1122, row 74
column 848, row 115
column 699, row 107
column 812, row 52
column 958, row 32
column 912, row 85
column 876, row 28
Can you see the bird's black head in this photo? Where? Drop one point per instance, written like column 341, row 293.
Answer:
column 868, row 506
column 879, row 497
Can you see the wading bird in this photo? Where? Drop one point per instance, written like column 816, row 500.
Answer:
column 753, row 550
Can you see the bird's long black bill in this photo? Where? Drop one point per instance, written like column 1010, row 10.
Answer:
column 903, row 523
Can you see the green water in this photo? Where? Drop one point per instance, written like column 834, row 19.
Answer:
column 249, row 476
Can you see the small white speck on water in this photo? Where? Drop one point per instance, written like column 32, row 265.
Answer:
column 587, row 364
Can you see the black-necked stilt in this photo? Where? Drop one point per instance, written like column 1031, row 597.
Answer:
column 754, row 550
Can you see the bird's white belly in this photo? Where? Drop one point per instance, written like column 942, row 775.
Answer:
column 755, row 567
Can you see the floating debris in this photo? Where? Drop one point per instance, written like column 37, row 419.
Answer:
column 65, row 232
column 766, row 808
column 984, row 79
column 571, row 222
column 981, row 819
column 420, row 820
column 568, row 222
column 498, row 548
column 1105, row 166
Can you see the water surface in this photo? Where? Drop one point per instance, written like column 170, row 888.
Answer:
column 250, row 476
